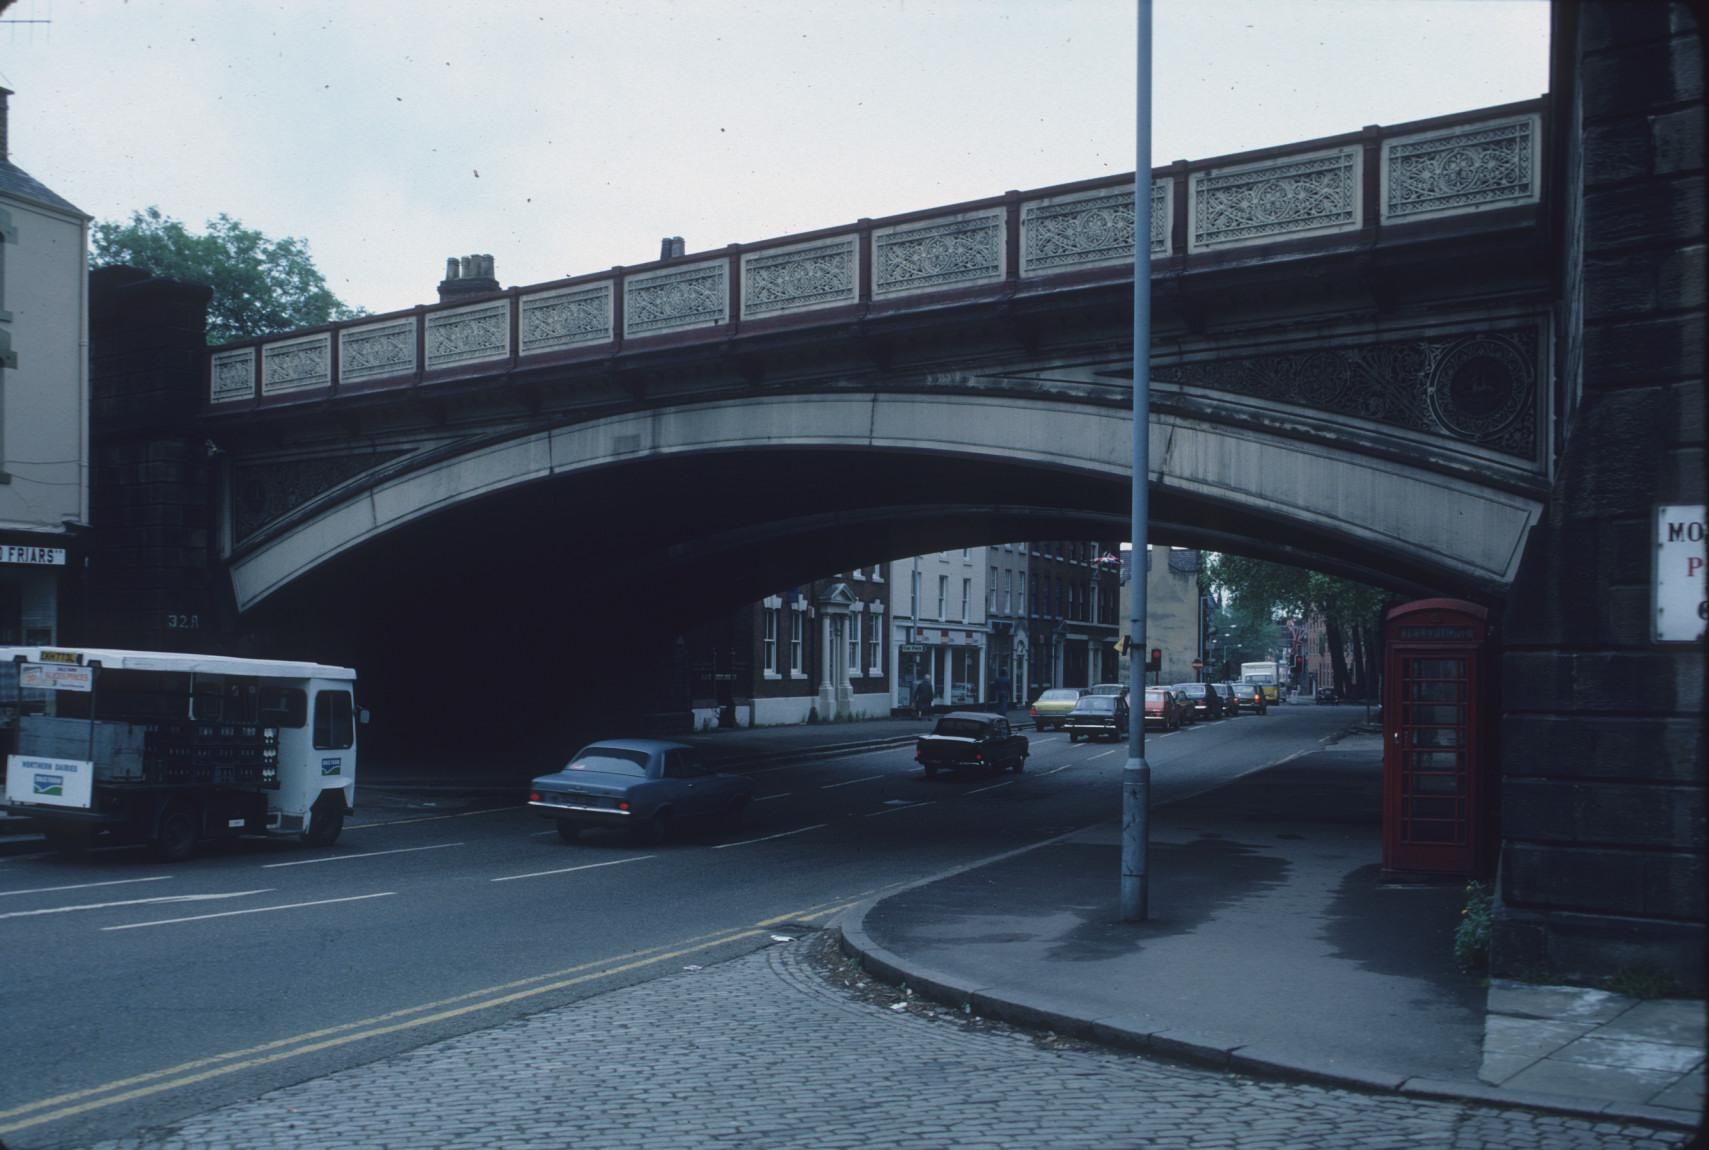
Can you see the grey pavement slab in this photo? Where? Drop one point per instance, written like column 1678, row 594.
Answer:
column 1614, row 1083
column 1557, row 1003
column 1680, row 1021
column 1273, row 933
column 783, row 1049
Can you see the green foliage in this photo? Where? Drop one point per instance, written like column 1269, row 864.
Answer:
column 261, row 286
column 1471, row 937
column 1639, row 982
column 1283, row 592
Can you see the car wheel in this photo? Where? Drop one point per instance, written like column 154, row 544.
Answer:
column 656, row 829
column 175, row 840
column 326, row 820
column 568, row 831
column 1073, row 738
column 1020, row 765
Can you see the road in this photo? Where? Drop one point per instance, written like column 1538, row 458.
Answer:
column 138, row 993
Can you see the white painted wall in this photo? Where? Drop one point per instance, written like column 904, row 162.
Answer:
column 44, row 401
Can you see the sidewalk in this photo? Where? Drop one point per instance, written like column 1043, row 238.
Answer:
column 1274, row 946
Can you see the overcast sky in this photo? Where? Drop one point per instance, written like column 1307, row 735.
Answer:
column 567, row 137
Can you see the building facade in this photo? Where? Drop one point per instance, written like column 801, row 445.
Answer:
column 44, row 404
column 938, row 627
column 1172, row 613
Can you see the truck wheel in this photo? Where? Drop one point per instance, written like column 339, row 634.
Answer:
column 326, row 820
column 175, row 840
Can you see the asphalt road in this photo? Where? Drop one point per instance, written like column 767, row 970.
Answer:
column 138, row 993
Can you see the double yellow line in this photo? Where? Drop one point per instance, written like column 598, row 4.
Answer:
column 197, row 1070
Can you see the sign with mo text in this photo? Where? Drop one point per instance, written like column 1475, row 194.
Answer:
column 1679, row 573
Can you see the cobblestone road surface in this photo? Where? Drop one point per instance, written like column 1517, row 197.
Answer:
column 773, row 1050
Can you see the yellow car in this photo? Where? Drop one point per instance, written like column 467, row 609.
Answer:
column 1051, row 708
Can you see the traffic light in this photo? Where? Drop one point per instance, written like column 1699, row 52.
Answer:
column 1155, row 663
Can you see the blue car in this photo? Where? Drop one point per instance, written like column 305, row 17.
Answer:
column 645, row 787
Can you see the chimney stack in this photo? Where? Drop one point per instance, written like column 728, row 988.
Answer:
column 467, row 276
column 670, row 247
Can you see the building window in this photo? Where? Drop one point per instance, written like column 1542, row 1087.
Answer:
column 854, row 646
column 966, row 598
column 796, row 627
column 769, row 642
column 943, row 596
column 991, row 594
column 1008, row 592
column 877, row 575
column 856, row 574
column 874, row 666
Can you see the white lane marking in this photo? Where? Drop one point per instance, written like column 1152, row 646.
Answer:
column 908, row 807
column 992, row 787
column 768, row 838
column 571, row 869
column 768, row 798
column 364, row 855
column 134, row 902
column 1102, row 754
column 1063, row 767
column 86, row 885
column 852, row 782
column 252, row 910
column 432, row 818
column 1288, row 759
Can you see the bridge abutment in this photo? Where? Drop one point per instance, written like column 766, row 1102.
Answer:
column 1602, row 814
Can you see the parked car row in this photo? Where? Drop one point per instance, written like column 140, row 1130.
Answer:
column 1101, row 710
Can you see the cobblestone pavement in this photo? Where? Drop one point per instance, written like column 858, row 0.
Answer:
column 790, row 1048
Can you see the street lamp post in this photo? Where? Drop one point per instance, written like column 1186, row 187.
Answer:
column 1136, row 774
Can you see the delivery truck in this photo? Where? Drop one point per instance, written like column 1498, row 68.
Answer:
column 174, row 749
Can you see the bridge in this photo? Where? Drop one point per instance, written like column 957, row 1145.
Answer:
column 1461, row 355
column 1352, row 370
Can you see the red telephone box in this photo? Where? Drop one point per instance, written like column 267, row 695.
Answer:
column 1438, row 722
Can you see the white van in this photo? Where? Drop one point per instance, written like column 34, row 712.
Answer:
column 173, row 749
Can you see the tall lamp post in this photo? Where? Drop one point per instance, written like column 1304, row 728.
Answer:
column 1136, row 774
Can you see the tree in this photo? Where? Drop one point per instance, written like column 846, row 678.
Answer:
column 261, row 285
column 1351, row 612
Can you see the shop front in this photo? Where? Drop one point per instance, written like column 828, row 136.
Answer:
column 953, row 658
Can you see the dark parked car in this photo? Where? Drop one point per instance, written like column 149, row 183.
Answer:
column 1203, row 698
column 1098, row 717
column 1327, row 695
column 1183, row 705
column 645, row 786
column 1254, row 697
column 1230, row 698
column 1161, row 710
column 971, row 739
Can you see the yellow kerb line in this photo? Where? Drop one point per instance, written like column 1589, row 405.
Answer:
column 313, row 1041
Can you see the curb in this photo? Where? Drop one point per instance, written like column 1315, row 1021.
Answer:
column 1046, row 1012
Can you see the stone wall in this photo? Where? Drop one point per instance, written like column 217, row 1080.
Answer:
column 1602, row 805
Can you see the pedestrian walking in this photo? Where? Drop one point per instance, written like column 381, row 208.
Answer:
column 1004, row 690
column 924, row 693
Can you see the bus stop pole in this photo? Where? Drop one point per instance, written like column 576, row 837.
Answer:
column 1136, row 775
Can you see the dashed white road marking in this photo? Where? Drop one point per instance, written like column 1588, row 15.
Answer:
column 852, row 782
column 86, row 885
column 251, row 910
column 768, row 798
column 133, row 902
column 904, row 807
column 363, row 855
column 572, row 869
column 1103, row 754
column 768, row 838
column 992, row 787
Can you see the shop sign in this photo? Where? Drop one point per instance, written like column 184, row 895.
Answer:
column 39, row 556
column 913, row 648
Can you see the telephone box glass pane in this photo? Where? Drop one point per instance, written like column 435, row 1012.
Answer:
column 1442, row 692
column 1434, row 737
column 1439, row 716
